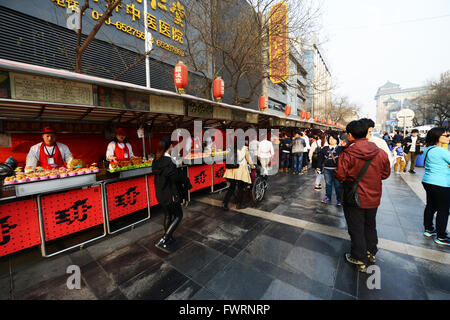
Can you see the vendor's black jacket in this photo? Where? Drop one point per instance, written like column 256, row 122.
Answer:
column 286, row 144
column 326, row 160
column 409, row 139
column 171, row 184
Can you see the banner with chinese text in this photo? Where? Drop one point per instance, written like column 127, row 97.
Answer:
column 200, row 177
column 126, row 197
column 279, row 42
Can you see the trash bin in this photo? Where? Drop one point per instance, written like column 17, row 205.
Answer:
column 419, row 160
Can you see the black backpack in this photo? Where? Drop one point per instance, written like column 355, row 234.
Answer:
column 349, row 196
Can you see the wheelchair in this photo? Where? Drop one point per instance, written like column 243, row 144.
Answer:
column 258, row 188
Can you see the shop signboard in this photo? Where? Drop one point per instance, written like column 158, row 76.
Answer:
column 222, row 113
column 200, row 110
column 167, row 105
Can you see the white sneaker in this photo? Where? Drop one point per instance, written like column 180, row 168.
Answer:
column 397, row 172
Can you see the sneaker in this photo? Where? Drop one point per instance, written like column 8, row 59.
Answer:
column 411, row 171
column 317, row 188
column 300, row 173
column 361, row 266
column 404, row 172
column 429, row 233
column 371, row 257
column 326, row 200
column 443, row 241
column 163, row 245
column 339, row 203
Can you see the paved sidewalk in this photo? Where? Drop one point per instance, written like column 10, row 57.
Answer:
column 290, row 247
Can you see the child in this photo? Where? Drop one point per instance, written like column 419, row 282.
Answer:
column 399, row 157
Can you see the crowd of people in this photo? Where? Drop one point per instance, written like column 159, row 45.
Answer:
column 353, row 164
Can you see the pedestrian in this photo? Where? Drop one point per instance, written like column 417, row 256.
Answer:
column 265, row 153
column 238, row 176
column 381, row 143
column 397, row 137
column 436, row 182
column 253, row 148
column 298, row 149
column 305, row 137
column 411, row 146
column 399, row 158
column 327, row 163
column 169, row 184
column 319, row 142
column 285, row 147
column 361, row 168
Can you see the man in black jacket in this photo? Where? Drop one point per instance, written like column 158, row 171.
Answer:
column 285, row 146
column 411, row 147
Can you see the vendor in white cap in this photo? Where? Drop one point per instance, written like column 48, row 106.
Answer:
column 48, row 154
column 119, row 149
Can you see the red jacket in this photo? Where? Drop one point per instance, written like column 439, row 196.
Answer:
column 350, row 163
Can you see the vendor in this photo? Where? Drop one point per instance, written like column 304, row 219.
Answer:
column 119, row 149
column 48, row 154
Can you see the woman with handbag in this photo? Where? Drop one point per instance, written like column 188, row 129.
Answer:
column 436, row 181
column 237, row 173
column 314, row 152
column 168, row 184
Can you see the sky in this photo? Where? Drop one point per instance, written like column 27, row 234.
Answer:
column 365, row 43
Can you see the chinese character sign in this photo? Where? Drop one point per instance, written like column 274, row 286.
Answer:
column 219, row 171
column 200, row 177
column 126, row 197
column 72, row 211
column 279, row 42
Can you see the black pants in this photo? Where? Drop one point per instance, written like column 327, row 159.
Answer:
column 172, row 217
column 240, row 194
column 438, row 199
column 363, row 232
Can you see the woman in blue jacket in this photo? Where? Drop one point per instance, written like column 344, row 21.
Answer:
column 436, row 182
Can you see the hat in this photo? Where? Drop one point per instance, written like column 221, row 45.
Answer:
column 121, row 131
column 48, row 129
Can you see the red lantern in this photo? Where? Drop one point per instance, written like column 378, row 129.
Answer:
column 218, row 88
column 329, row 122
column 181, row 76
column 316, row 118
column 263, row 103
column 308, row 115
column 303, row 115
column 323, row 121
column 287, row 110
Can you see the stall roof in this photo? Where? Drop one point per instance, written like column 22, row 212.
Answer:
column 45, row 110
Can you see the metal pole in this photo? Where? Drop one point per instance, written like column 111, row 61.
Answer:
column 404, row 126
column 147, row 61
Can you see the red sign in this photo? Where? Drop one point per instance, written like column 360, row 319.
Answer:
column 19, row 226
column 125, row 197
column 200, row 177
column 219, row 171
column 151, row 190
column 72, row 211
column 278, row 42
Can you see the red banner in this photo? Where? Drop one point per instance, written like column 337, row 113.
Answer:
column 200, row 177
column 279, row 42
column 19, row 226
column 151, row 191
column 72, row 211
column 219, row 171
column 126, row 197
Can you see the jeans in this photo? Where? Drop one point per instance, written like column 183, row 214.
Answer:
column 297, row 159
column 438, row 199
column 362, row 229
column 284, row 160
column 330, row 181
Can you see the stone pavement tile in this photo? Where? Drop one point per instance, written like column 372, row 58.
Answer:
column 279, row 290
column 314, row 265
column 436, row 276
column 143, row 230
column 127, row 262
column 100, row 282
column 283, row 232
column 106, row 246
column 419, row 240
column 337, row 295
column 322, row 243
column 55, row 289
column 269, row 249
column 434, row 294
column 388, row 261
column 227, row 233
column 239, row 282
column 204, row 294
column 192, row 258
column 80, row 257
column 212, row 269
column 231, row 252
column 249, row 236
column 34, row 273
column 388, row 219
column 346, row 278
column 328, row 220
column 185, row 292
column 156, row 283
column 5, row 287
column 410, row 224
column 391, row 233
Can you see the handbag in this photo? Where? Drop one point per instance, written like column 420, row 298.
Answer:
column 350, row 197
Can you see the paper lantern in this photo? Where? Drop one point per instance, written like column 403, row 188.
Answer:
column 308, row 115
column 181, row 76
column 303, row 115
column 263, row 103
column 287, row 110
column 218, row 88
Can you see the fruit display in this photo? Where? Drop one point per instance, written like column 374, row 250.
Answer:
column 133, row 163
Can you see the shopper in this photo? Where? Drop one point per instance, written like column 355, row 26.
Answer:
column 436, row 181
column 397, row 137
column 305, row 137
column 361, row 155
column 265, row 153
column 399, row 158
column 285, row 147
column 319, row 142
column 327, row 163
column 381, row 143
column 168, row 188
column 411, row 146
column 298, row 148
column 238, row 177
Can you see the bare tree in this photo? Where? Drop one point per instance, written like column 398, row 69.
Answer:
column 437, row 99
column 342, row 110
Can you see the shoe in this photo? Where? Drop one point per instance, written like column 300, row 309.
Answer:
column 404, row 172
column 326, row 200
column 240, row 206
column 317, row 188
column 163, row 245
column 339, row 203
column 443, row 241
column 397, row 172
column 300, row 173
column 225, row 207
column 371, row 257
column 361, row 266
column 429, row 233
column 411, row 171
